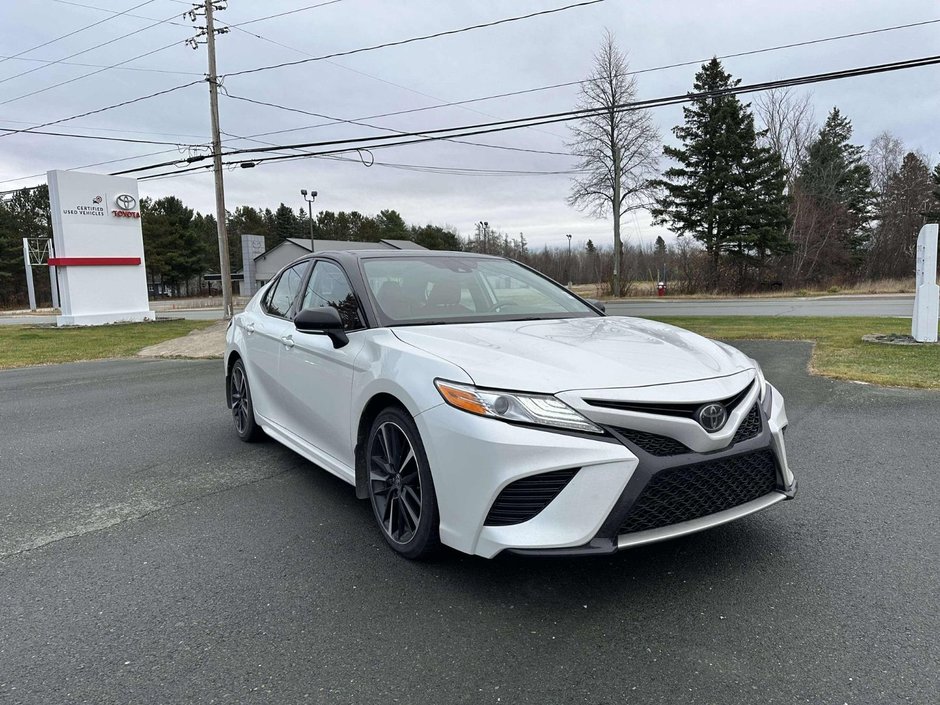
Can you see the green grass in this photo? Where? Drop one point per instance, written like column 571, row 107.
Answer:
column 840, row 351
column 21, row 346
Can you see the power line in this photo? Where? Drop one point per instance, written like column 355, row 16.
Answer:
column 387, row 129
column 96, row 137
column 461, row 103
column 361, row 73
column 76, row 31
column 351, row 144
column 85, row 51
column 91, row 73
column 106, row 108
column 628, row 73
column 114, row 129
column 101, row 66
column 83, row 166
column 284, row 14
column 415, row 39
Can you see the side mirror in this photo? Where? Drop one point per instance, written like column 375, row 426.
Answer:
column 600, row 305
column 324, row 320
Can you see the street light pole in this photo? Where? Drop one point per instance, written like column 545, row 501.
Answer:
column 569, row 259
column 313, row 196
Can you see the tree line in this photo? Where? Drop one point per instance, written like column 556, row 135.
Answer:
column 768, row 197
column 181, row 244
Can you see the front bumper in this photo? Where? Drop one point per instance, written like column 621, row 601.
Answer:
column 473, row 459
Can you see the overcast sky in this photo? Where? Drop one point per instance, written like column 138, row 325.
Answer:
column 543, row 50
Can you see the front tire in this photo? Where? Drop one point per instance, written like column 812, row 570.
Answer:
column 400, row 487
column 243, row 411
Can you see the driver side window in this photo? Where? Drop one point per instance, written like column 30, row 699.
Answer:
column 282, row 296
column 328, row 286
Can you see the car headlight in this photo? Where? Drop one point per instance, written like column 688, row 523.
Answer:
column 538, row 409
column 761, row 381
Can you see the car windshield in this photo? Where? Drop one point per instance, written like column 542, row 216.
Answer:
column 464, row 289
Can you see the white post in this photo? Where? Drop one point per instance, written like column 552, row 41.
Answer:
column 927, row 296
column 53, row 279
column 29, row 275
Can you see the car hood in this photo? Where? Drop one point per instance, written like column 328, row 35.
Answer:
column 578, row 353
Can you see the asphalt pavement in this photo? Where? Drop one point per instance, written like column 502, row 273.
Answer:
column 146, row 556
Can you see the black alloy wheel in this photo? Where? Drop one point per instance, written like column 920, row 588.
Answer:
column 400, row 486
column 243, row 413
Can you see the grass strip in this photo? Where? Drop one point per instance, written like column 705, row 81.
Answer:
column 21, row 346
column 840, row 351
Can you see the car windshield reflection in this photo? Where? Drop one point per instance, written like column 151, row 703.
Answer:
column 441, row 290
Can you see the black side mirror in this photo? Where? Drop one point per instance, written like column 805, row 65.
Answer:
column 600, row 305
column 324, row 320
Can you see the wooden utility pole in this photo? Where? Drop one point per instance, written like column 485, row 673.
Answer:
column 212, row 78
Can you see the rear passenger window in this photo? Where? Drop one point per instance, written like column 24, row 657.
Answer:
column 285, row 291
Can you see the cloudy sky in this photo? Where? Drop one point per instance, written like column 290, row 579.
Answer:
column 544, row 50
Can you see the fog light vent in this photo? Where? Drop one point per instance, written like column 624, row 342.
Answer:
column 523, row 499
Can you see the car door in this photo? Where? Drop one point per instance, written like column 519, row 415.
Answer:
column 318, row 377
column 265, row 335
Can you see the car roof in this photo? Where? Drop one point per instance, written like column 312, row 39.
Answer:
column 355, row 255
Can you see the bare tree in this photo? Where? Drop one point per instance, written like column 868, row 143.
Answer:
column 618, row 148
column 884, row 157
column 789, row 124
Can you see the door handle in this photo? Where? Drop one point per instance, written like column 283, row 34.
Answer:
column 249, row 328
column 288, row 341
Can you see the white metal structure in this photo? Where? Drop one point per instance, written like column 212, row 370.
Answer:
column 927, row 296
column 477, row 403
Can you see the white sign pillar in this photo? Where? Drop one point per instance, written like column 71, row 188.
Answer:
column 927, row 296
column 99, row 249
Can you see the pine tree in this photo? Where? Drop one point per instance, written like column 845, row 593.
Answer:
column 727, row 192
column 837, row 178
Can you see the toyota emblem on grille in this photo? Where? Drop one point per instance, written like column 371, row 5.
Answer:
column 125, row 202
column 711, row 417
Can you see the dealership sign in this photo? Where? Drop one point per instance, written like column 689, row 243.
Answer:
column 99, row 248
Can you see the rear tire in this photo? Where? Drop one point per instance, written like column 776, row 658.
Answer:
column 243, row 411
column 401, row 490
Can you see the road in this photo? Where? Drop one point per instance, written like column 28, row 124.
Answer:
column 886, row 305
column 900, row 305
column 146, row 556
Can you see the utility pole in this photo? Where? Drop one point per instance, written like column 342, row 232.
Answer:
column 212, row 78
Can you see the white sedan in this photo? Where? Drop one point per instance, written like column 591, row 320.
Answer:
column 478, row 404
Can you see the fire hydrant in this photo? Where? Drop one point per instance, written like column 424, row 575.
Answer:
column 661, row 289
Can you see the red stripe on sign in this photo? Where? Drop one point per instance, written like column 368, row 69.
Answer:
column 92, row 261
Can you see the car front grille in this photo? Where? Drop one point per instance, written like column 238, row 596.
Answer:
column 652, row 443
column 692, row 491
column 751, row 426
column 523, row 499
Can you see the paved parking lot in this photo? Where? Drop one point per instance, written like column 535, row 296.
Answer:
column 148, row 557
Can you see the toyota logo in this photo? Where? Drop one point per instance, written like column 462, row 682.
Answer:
column 125, row 202
column 711, row 417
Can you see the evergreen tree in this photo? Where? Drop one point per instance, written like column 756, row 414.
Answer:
column 933, row 212
column 391, row 225
column 173, row 248
column 727, row 192
column 838, row 180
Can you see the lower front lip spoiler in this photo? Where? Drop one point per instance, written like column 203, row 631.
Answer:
column 605, row 547
column 641, row 538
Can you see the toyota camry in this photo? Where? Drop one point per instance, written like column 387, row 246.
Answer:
column 477, row 404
